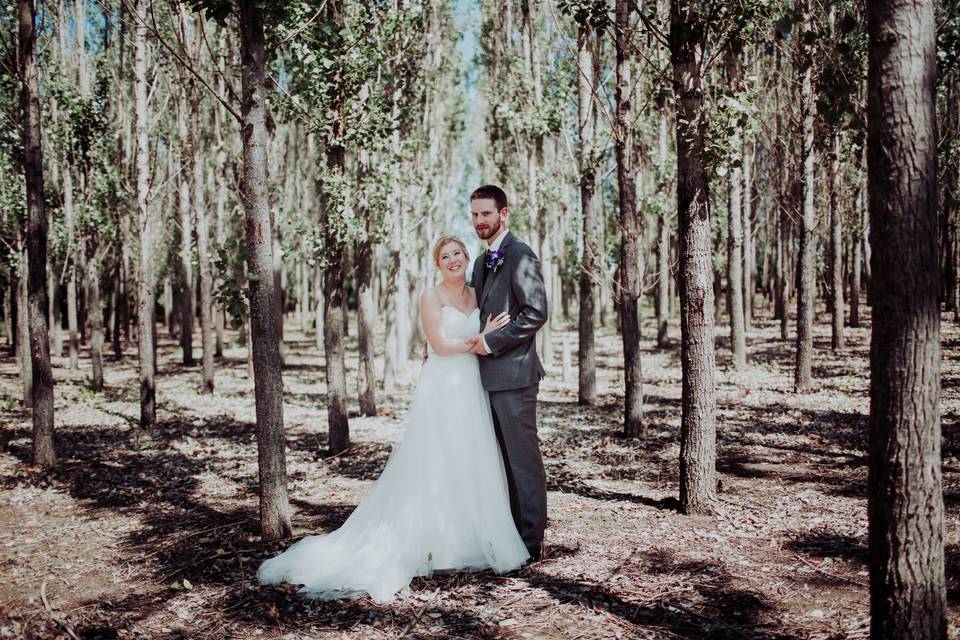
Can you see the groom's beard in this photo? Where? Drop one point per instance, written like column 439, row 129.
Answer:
column 491, row 231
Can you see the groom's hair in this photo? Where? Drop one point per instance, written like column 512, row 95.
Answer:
column 492, row 192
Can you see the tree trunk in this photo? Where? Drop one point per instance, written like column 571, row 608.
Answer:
column 333, row 299
column 631, row 232
column 857, row 260
column 905, row 503
column 24, row 357
column 268, row 383
column 836, row 247
column 96, row 321
column 806, row 287
column 663, row 234
column 586, row 353
column 41, row 387
column 738, row 340
column 146, row 300
column 203, row 238
column 186, row 233
column 366, row 315
column 749, row 247
column 318, row 307
column 698, row 449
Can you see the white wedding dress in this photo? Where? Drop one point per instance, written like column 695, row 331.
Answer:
column 440, row 503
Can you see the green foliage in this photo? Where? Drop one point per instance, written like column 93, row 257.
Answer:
column 230, row 294
column 593, row 13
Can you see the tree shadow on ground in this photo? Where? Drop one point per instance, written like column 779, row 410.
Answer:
column 723, row 610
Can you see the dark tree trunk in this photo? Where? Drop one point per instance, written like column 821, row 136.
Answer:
column 268, row 383
column 806, row 287
column 631, row 233
column 698, row 449
column 44, row 453
column 146, row 340
column 905, row 503
column 586, row 352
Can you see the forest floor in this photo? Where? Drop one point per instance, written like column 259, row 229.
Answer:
column 153, row 533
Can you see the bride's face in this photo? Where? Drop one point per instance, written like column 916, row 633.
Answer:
column 452, row 262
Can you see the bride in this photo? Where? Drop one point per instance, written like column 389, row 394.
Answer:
column 441, row 502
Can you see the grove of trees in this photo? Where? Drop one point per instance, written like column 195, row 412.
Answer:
column 212, row 167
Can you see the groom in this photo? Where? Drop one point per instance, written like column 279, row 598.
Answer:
column 508, row 278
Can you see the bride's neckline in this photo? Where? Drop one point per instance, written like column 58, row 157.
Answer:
column 465, row 315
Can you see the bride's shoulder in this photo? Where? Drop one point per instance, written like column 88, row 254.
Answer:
column 430, row 296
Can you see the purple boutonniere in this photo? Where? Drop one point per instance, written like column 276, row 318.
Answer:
column 493, row 260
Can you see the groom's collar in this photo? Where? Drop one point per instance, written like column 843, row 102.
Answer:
column 499, row 241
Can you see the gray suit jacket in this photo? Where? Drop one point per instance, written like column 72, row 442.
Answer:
column 517, row 288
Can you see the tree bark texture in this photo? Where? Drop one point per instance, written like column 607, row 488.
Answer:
column 268, row 382
column 698, row 450
column 905, row 502
column 836, row 249
column 630, row 231
column 44, row 453
column 146, row 352
column 586, row 352
column 806, row 287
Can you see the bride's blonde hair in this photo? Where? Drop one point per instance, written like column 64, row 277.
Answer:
column 444, row 241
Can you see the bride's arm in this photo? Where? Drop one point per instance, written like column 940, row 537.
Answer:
column 431, row 313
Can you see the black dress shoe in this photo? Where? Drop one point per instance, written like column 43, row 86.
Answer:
column 535, row 552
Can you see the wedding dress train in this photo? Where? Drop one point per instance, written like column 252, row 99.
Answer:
column 440, row 503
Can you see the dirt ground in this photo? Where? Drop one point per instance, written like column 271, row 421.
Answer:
column 153, row 533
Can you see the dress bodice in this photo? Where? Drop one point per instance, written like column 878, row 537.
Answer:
column 457, row 324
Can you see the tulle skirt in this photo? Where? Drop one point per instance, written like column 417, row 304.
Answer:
column 440, row 503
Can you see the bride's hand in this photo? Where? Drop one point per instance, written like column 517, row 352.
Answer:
column 499, row 322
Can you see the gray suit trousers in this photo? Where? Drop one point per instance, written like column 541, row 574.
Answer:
column 515, row 422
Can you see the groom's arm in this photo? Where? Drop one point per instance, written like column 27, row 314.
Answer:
column 528, row 289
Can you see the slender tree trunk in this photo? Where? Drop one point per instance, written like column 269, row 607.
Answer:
column 738, row 340
column 24, row 357
column 119, row 299
column 857, row 260
column 203, row 240
column 698, row 431
column 631, row 232
column 749, row 247
column 337, row 417
column 664, row 275
column 905, row 502
column 95, row 304
column 9, row 322
column 806, row 287
column 586, row 353
column 44, row 453
column 72, row 322
column 366, row 315
column 146, row 346
column 335, row 271
column 318, row 307
column 836, row 247
column 186, row 234
column 268, row 382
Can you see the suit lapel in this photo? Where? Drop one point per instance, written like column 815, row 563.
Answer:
column 490, row 278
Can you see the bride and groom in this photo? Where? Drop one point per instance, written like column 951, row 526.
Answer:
column 465, row 489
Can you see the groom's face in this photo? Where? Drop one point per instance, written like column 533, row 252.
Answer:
column 486, row 219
